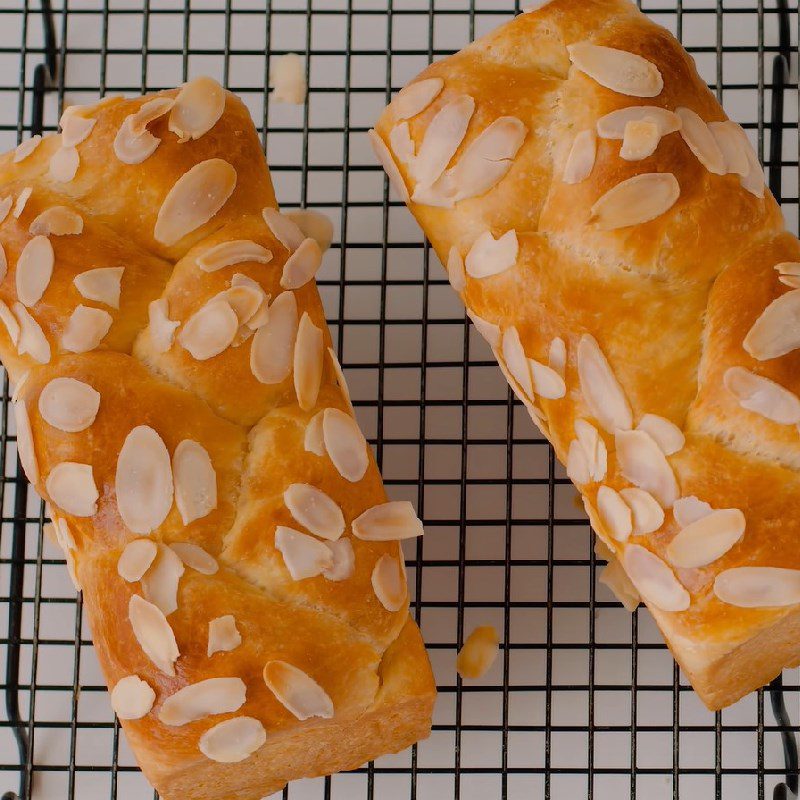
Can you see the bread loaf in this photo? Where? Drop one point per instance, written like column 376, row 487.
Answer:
column 179, row 406
column 609, row 232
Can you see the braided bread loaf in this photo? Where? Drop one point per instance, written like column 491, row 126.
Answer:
column 179, row 405
column 609, row 232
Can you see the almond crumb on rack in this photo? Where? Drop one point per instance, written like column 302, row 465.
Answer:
column 478, row 653
column 288, row 80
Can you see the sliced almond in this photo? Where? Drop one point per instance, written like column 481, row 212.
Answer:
column 479, row 652
column 763, row 396
column 516, row 361
column 85, row 329
column 3, row 264
column 388, row 522
column 149, row 112
column 288, row 79
column 34, row 270
column 754, row 181
column 194, row 557
column 195, row 481
column 160, row 582
column 388, row 583
column 303, row 555
column 777, row 331
column 284, row 229
column 75, row 129
column 298, row 692
column 402, row 144
column 262, row 312
column 71, row 487
column 308, row 362
column 345, row 444
column 143, row 481
column 302, row 265
column 622, row 72
column 616, row 579
column 614, row 513
column 687, row 510
column 237, row 251
column 314, row 439
column 57, row 221
column 488, row 330
column 132, row 698
column 547, row 383
column 648, row 516
column 103, row 285
column 5, row 207
column 701, row 141
column 654, row 580
column 601, row 390
column 233, row 740
column 10, row 322
column 313, row 225
column 644, row 464
column 154, row 634
column 25, row 446
column 197, row 108
column 386, row 160
column 594, row 449
column 131, row 147
column 789, row 273
column 202, row 699
column 557, row 356
column 640, row 140
column 581, row 158
column 612, row 125
column 455, row 270
column 344, row 560
column 209, row 331
column 162, row 328
column 416, row 97
column 194, row 199
column 577, row 465
column 31, row 338
column 635, row 201
column 758, row 587
column 22, row 201
column 26, row 148
column 728, row 139
column 314, row 510
column 64, row 164
column 69, row 404
column 223, row 635
column 489, row 256
column 64, row 534
column 706, row 539
column 667, row 435
column 272, row 351
column 341, row 381
column 136, row 559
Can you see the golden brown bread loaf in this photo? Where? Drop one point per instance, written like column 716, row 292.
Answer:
column 179, row 407
column 610, row 235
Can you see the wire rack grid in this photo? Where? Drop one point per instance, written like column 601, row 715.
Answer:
column 585, row 700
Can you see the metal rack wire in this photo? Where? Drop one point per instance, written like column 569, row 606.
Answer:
column 585, row 701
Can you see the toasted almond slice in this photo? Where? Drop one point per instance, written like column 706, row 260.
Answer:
column 71, row 487
column 313, row 225
column 344, row 560
column 302, row 265
column 154, row 634
column 285, row 230
column 314, row 439
column 706, row 539
column 26, row 148
column 272, row 351
column 31, row 338
column 479, row 652
column 789, row 269
column 56, row 221
column 416, row 97
column 557, row 356
column 197, row 108
column 614, row 513
column 345, row 444
column 148, row 112
column 516, row 361
column 777, row 331
column 160, row 582
column 612, row 125
column 162, row 328
column 728, row 138
column 3, row 264
column 489, row 256
column 72, row 570
column 308, row 357
column 594, row 449
column 701, row 141
column 622, row 72
column 687, row 510
column 63, row 534
column 25, row 446
column 577, row 464
column 136, row 559
column 386, row 160
column 194, row 557
column 402, row 144
column 210, row 330
column 341, row 381
column 245, row 299
column 581, row 158
column 602, row 392
column 85, row 329
column 69, row 404
column 64, row 164
column 10, row 323
column 654, row 580
column 298, row 692
column 75, row 129
column 195, row 481
column 5, row 207
column 754, row 181
column 22, row 201
column 314, row 510
column 195, row 198
column 202, row 699
column 288, row 79
column 303, row 555
column 237, row 251
column 34, row 270
column 455, row 270
column 644, row 464
column 640, row 140
column 635, row 201
column 143, row 481
column 388, row 583
column 547, row 383
column 666, row 434
column 233, row 740
column 223, row 635
column 758, row 587
column 763, row 396
column 132, row 698
column 262, row 312
column 388, row 522
column 442, row 138
column 648, row 516
column 103, row 285
column 131, row 147
column 617, row 580
column 488, row 330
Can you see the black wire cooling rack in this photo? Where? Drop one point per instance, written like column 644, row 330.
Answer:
column 585, row 701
